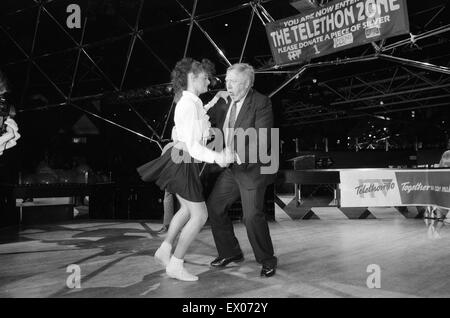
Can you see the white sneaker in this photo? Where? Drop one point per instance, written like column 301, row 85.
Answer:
column 176, row 270
column 181, row 274
column 162, row 255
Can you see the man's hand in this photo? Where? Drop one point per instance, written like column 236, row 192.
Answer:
column 226, row 157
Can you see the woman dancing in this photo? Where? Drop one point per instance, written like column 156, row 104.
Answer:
column 182, row 177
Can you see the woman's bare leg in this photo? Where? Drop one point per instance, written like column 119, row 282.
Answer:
column 178, row 221
column 198, row 216
column 164, row 252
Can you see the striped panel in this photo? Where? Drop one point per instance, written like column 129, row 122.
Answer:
column 286, row 207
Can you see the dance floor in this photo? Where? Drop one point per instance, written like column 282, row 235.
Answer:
column 317, row 258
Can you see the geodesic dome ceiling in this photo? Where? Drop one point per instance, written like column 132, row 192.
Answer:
column 121, row 57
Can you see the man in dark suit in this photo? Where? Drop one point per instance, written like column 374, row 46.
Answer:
column 245, row 113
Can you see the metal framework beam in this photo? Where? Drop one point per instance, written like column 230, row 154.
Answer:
column 190, row 28
column 347, row 94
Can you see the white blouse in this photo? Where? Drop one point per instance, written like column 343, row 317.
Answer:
column 192, row 127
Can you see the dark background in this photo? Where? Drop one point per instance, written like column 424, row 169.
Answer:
column 124, row 78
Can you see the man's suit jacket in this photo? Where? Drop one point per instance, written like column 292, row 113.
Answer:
column 256, row 112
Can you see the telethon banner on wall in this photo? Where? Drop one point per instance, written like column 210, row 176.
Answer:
column 339, row 25
column 390, row 187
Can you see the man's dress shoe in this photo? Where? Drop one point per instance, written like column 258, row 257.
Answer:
column 268, row 271
column 224, row 261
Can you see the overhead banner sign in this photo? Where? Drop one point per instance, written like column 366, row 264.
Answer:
column 390, row 187
column 337, row 26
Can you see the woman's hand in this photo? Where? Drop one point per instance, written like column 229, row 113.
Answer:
column 215, row 99
column 222, row 94
column 229, row 156
column 226, row 157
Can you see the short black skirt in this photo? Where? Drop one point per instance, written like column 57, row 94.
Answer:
column 182, row 178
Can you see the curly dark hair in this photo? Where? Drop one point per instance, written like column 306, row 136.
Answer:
column 185, row 66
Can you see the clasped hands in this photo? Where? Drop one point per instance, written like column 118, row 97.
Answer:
column 226, row 157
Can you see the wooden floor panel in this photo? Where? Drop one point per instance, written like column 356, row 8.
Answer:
column 317, row 258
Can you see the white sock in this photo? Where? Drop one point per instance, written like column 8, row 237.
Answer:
column 162, row 254
column 176, row 270
column 166, row 246
column 176, row 262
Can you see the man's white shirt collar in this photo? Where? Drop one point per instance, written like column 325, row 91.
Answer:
column 241, row 101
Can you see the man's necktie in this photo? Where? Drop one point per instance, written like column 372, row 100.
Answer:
column 232, row 119
column 231, row 122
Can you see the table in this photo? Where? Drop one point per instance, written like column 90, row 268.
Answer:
column 101, row 198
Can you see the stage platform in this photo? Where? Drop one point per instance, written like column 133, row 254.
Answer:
column 317, row 258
